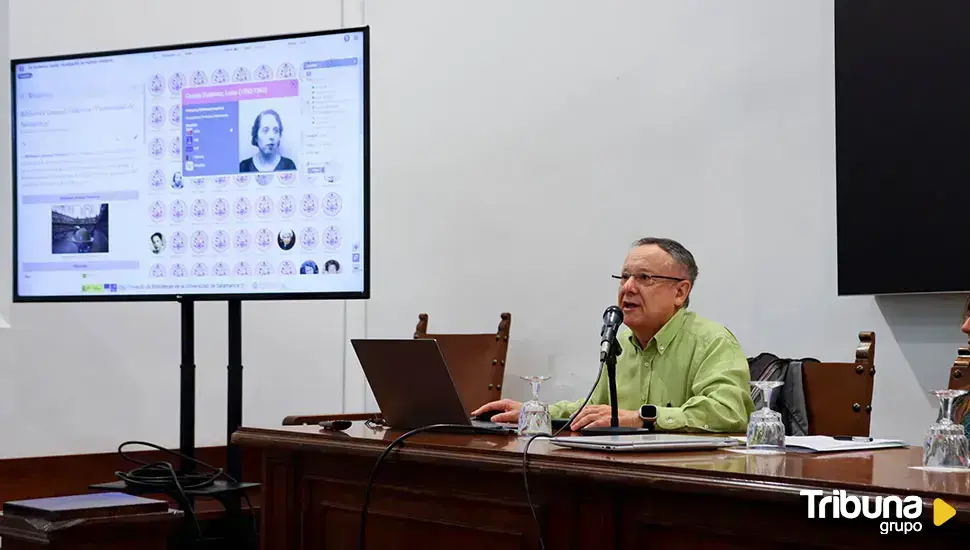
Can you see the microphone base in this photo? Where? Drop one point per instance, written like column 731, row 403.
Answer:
column 619, row 430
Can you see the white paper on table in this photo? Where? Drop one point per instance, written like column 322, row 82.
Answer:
column 826, row 444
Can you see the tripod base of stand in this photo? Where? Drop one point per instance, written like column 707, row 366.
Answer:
column 619, row 430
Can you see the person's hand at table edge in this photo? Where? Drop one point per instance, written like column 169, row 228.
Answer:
column 508, row 410
column 599, row 416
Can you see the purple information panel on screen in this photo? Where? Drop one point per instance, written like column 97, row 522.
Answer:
column 217, row 123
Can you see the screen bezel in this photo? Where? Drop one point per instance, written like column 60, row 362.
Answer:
column 363, row 294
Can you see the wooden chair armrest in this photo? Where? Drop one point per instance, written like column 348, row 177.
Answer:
column 306, row 420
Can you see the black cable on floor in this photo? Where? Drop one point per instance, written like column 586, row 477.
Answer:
column 164, row 478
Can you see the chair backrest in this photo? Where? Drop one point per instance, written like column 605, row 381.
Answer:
column 959, row 375
column 476, row 361
column 960, row 380
column 839, row 395
column 960, row 371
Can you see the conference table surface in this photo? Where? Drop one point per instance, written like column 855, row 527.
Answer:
column 769, row 481
column 891, row 471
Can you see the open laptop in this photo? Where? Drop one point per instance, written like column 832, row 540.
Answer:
column 413, row 386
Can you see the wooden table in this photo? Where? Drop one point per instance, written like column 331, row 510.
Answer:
column 466, row 492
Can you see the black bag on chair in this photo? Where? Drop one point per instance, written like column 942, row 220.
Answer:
column 789, row 399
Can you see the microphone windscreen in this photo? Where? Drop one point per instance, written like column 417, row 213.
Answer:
column 613, row 315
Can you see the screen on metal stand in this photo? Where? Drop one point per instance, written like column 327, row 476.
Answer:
column 234, row 169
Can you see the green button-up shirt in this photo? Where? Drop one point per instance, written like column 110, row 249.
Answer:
column 693, row 370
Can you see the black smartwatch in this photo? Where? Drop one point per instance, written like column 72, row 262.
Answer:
column 648, row 414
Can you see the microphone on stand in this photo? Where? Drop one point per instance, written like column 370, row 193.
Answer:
column 612, row 319
column 609, row 349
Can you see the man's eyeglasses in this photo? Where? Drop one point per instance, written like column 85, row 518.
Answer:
column 645, row 278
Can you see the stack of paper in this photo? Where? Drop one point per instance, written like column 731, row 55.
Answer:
column 824, row 443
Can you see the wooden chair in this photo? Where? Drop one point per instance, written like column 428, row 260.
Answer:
column 960, row 380
column 960, row 371
column 839, row 395
column 476, row 362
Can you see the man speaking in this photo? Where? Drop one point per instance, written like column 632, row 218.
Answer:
column 677, row 371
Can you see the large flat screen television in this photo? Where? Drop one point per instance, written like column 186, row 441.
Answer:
column 902, row 98
column 234, row 169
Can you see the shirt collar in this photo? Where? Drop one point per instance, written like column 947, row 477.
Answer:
column 667, row 333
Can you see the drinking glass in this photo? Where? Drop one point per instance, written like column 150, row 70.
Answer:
column 534, row 417
column 946, row 441
column 766, row 431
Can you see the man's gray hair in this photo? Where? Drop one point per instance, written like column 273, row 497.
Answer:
column 679, row 253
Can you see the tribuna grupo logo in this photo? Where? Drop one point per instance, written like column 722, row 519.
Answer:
column 898, row 514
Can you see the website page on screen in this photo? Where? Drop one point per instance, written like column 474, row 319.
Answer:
column 231, row 169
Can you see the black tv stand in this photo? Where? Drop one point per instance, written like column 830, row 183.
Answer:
column 234, row 389
column 229, row 492
column 187, row 387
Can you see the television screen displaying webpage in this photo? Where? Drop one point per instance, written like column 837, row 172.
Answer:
column 232, row 169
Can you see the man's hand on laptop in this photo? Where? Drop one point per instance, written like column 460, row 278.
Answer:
column 508, row 410
column 596, row 416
